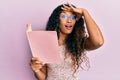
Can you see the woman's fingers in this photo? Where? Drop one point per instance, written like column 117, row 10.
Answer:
column 39, row 65
column 36, row 64
column 68, row 8
column 35, row 61
column 28, row 28
column 70, row 5
column 36, row 67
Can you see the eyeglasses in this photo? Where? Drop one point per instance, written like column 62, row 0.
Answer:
column 72, row 17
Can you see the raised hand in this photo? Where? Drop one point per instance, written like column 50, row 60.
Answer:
column 77, row 11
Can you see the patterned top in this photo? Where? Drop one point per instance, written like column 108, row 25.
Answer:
column 63, row 71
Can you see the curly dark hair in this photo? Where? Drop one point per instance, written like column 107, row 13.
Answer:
column 75, row 41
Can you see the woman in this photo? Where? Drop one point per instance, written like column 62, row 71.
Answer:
column 68, row 21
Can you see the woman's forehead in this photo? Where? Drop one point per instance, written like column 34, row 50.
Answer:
column 67, row 12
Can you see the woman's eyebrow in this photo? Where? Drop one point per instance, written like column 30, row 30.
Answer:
column 63, row 12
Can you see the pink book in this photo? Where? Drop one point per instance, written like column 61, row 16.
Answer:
column 44, row 44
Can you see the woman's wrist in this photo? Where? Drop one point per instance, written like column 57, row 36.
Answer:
column 39, row 75
column 84, row 11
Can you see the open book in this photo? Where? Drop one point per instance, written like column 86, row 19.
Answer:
column 44, row 45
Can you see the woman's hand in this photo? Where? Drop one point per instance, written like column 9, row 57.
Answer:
column 36, row 64
column 77, row 11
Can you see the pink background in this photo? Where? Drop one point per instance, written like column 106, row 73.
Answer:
column 14, row 49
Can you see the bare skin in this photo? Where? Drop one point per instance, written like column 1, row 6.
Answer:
column 39, row 68
column 94, row 41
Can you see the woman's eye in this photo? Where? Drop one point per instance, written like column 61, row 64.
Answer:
column 72, row 17
column 65, row 16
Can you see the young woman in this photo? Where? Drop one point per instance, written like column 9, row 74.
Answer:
column 68, row 21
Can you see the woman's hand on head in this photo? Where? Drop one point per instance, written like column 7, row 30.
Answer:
column 36, row 64
column 77, row 11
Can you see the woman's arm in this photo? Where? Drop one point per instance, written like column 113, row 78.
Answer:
column 37, row 66
column 95, row 39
